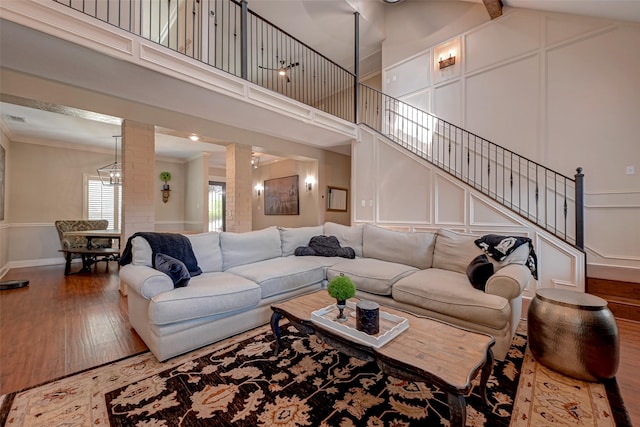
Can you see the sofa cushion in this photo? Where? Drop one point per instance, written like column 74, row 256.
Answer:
column 479, row 270
column 450, row 293
column 206, row 295
column 370, row 274
column 279, row 275
column 293, row 237
column 347, row 236
column 141, row 252
column 415, row 249
column 249, row 247
column 206, row 248
column 453, row 251
column 174, row 268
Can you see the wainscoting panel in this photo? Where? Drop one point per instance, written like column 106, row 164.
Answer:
column 511, row 91
column 447, row 102
column 449, row 202
column 483, row 213
column 405, row 186
column 408, row 76
column 488, row 44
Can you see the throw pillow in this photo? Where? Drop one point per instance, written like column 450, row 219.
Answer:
column 174, row 268
column 479, row 270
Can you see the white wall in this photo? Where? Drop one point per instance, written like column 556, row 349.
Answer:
column 170, row 216
column 196, row 191
column 560, row 89
column 30, row 212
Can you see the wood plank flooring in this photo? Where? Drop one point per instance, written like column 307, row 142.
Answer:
column 60, row 325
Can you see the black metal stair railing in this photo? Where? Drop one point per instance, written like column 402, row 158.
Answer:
column 226, row 35
column 544, row 197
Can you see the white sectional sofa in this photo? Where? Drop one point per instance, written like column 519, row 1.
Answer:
column 244, row 273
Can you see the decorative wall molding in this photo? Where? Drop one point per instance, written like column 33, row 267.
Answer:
column 563, row 263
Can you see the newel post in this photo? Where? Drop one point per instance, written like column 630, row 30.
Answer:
column 579, row 208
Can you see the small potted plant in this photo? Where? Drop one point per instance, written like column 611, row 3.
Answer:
column 165, row 177
column 341, row 288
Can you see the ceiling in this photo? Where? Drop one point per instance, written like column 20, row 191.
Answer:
column 325, row 25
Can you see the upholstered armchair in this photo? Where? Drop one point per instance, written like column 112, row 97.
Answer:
column 74, row 242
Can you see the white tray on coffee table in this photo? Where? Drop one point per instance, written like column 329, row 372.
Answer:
column 390, row 325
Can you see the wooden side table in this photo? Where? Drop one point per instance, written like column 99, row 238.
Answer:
column 573, row 333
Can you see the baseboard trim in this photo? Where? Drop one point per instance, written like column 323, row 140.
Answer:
column 612, row 272
column 37, row 262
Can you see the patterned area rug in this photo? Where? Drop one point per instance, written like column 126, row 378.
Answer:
column 239, row 382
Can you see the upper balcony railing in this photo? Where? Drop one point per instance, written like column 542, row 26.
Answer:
column 226, row 35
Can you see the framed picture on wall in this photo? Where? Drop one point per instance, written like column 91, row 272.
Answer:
column 337, row 199
column 281, row 196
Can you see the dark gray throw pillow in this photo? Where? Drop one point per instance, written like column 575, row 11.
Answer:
column 174, row 268
column 479, row 270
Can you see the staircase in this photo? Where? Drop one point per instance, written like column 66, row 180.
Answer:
column 623, row 297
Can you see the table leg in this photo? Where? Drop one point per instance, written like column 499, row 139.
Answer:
column 457, row 409
column 275, row 327
column 67, row 264
column 484, row 376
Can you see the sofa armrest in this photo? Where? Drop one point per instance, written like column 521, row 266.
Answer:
column 145, row 281
column 509, row 282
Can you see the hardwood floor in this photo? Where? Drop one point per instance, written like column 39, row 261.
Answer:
column 59, row 325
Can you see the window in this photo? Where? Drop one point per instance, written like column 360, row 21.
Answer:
column 217, row 206
column 102, row 201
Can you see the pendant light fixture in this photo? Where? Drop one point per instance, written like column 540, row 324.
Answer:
column 111, row 174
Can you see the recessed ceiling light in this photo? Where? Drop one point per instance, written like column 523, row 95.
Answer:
column 391, row 1
column 194, row 137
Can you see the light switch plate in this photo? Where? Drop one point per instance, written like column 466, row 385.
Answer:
column 631, row 170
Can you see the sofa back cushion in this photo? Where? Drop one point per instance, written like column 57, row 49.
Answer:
column 347, row 236
column 141, row 252
column 414, row 249
column 294, row 237
column 454, row 251
column 252, row 246
column 206, row 248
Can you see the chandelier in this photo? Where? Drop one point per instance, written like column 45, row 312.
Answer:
column 255, row 162
column 111, row 174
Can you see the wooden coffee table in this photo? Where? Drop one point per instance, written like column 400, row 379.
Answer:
column 429, row 351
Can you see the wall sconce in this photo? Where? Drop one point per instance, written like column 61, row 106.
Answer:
column 259, row 189
column 165, row 194
column 448, row 62
column 308, row 182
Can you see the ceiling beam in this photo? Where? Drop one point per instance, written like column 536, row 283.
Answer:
column 494, row 7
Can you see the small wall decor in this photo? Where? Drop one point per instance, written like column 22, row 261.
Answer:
column 281, row 196
column 166, row 189
column 337, row 199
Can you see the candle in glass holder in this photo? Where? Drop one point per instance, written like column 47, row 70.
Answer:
column 368, row 317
